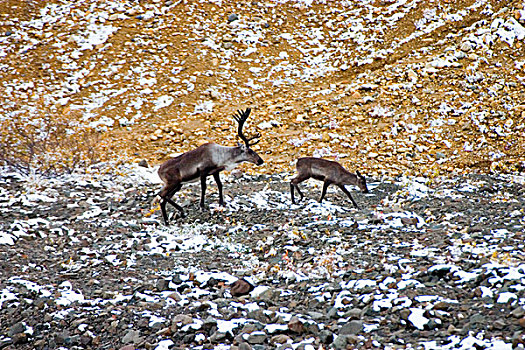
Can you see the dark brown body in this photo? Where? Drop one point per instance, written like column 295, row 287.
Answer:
column 206, row 160
column 329, row 172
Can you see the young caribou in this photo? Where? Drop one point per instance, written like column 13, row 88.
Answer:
column 208, row 159
column 328, row 171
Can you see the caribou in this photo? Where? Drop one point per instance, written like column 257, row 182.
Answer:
column 329, row 172
column 206, row 160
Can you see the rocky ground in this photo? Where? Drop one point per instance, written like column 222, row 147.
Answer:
column 434, row 264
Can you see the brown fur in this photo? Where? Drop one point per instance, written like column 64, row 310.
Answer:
column 206, row 160
column 329, row 172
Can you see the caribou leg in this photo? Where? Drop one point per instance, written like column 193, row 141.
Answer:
column 217, row 178
column 343, row 188
column 325, row 187
column 203, row 189
column 295, row 184
column 165, row 195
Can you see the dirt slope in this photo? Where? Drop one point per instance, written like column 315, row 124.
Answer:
column 411, row 87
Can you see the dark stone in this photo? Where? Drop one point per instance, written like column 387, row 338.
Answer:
column 240, row 287
column 326, row 336
column 233, row 17
column 20, row 338
column 209, row 323
column 162, row 285
column 16, row 329
column 353, row 327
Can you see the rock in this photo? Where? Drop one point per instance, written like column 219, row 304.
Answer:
column 218, row 337
column 404, row 314
column 20, row 338
column 143, row 163
column 409, row 221
column 182, row 319
column 269, row 294
column 251, row 327
column 433, row 324
column 128, row 347
column 441, row 305
column 317, row 316
column 257, row 337
column 259, row 315
column 295, row 325
column 162, row 285
column 280, row 339
column 499, row 324
column 245, row 346
column 466, row 46
column 476, row 320
column 440, row 155
column 353, row 327
column 209, row 323
column 312, row 328
column 188, row 338
column 132, row 336
column 240, row 287
column 17, row 328
column 518, row 312
column 340, row 342
column 333, row 312
column 412, row 75
column 233, row 17
column 63, row 338
column 354, row 313
column 326, row 337
column 175, row 296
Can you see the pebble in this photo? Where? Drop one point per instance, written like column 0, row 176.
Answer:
column 521, row 322
column 518, row 312
column 296, row 325
column 245, row 346
column 127, row 347
column 132, row 336
column 232, row 17
column 340, row 342
column 257, row 338
column 466, row 46
column 17, row 328
column 280, row 339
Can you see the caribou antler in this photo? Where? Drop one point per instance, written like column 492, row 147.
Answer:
column 241, row 118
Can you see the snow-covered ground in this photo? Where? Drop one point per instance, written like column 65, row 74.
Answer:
column 419, row 256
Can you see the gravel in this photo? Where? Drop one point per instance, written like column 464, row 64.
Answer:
column 429, row 263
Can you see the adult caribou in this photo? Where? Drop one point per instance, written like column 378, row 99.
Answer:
column 206, row 160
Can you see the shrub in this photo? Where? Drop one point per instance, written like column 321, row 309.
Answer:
column 48, row 144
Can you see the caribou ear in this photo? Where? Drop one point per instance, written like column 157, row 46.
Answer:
column 358, row 173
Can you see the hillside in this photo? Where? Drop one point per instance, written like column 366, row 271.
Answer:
column 399, row 87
